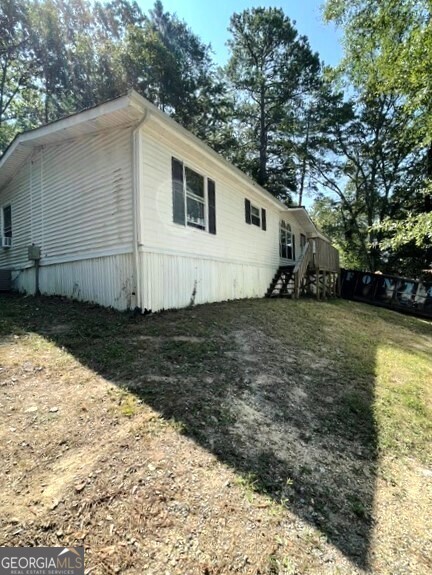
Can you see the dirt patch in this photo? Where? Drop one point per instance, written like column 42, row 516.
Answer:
column 210, row 441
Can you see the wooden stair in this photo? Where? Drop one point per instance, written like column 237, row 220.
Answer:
column 282, row 284
column 316, row 273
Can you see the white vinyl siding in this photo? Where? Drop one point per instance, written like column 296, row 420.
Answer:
column 180, row 264
column 234, row 242
column 103, row 280
column 173, row 281
column 87, row 194
column 17, row 195
column 74, row 200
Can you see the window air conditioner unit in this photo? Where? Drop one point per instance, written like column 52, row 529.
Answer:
column 6, row 242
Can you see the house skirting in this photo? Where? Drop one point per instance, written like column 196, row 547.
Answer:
column 170, row 281
column 107, row 281
column 167, row 281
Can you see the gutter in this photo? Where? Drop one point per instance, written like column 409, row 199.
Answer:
column 136, row 208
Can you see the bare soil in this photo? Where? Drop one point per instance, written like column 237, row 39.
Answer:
column 253, row 437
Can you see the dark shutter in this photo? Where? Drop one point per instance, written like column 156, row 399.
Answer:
column 248, row 211
column 263, row 219
column 211, row 206
column 7, row 221
column 178, row 192
column 293, row 247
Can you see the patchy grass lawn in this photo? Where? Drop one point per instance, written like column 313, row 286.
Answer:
column 255, row 437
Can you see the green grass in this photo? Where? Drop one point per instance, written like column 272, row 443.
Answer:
column 305, row 400
column 389, row 350
column 378, row 363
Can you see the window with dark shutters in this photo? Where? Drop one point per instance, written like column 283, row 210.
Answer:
column 190, row 200
column 263, row 219
column 255, row 215
column 211, row 189
column 178, row 192
column 248, row 211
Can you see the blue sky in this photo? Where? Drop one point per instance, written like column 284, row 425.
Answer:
column 209, row 19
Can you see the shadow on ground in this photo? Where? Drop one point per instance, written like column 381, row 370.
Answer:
column 283, row 392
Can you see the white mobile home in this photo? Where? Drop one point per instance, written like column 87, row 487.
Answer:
column 125, row 208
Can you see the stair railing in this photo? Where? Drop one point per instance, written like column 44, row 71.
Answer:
column 326, row 256
column 301, row 267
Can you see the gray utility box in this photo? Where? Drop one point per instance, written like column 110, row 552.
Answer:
column 34, row 253
column 5, row 280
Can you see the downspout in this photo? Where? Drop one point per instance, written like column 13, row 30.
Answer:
column 136, row 210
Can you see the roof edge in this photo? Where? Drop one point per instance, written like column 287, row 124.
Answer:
column 197, row 142
column 76, row 118
column 304, row 210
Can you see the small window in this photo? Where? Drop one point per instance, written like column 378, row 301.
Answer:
column 287, row 248
column 7, row 222
column 194, row 198
column 255, row 216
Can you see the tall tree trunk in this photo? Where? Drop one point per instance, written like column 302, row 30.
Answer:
column 262, row 174
column 46, row 104
column 303, row 169
column 428, row 197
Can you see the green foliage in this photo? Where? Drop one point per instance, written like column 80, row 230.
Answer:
column 48, row 62
column 388, row 50
column 60, row 57
column 372, row 163
column 388, row 46
column 408, row 242
column 273, row 111
column 170, row 66
column 415, row 228
column 329, row 216
column 16, row 64
column 272, row 69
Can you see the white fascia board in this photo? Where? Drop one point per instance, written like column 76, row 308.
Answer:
column 302, row 212
column 203, row 148
column 30, row 138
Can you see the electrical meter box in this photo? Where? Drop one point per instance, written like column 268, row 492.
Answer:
column 34, row 253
